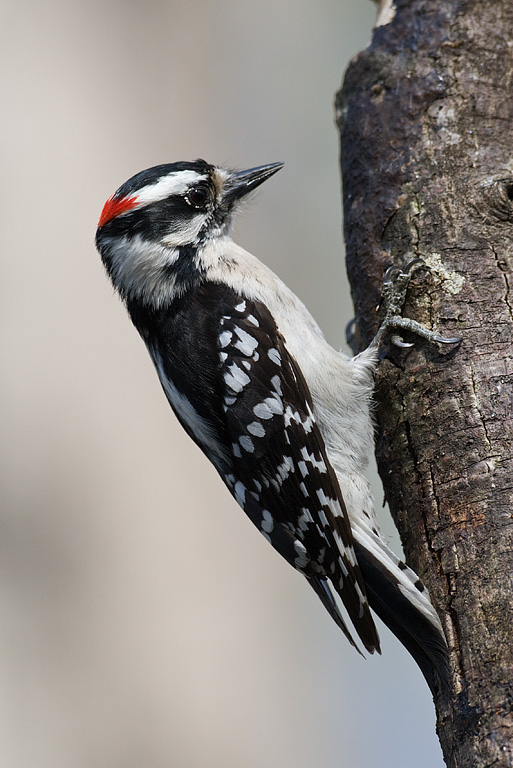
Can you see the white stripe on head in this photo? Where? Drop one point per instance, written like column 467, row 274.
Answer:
column 175, row 183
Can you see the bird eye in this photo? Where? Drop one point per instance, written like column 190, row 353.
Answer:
column 197, row 197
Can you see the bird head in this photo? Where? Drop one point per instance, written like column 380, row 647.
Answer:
column 157, row 222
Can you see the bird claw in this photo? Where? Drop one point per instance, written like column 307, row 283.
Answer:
column 397, row 341
column 413, row 263
column 395, row 285
column 351, row 336
column 447, row 340
column 389, row 272
column 404, row 272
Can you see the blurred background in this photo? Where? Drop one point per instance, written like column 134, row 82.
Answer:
column 144, row 621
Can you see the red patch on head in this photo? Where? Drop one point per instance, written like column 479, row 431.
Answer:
column 114, row 206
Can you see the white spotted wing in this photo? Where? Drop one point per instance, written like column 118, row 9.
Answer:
column 281, row 475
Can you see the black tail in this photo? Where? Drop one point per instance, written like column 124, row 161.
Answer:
column 409, row 615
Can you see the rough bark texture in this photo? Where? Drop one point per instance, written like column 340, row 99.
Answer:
column 426, row 123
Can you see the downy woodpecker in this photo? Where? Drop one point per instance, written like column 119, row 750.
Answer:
column 284, row 418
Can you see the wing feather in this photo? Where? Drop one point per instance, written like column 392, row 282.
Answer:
column 281, row 474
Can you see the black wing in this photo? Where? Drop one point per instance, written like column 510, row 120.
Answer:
column 241, row 397
column 280, row 473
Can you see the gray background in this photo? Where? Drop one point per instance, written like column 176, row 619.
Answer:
column 144, row 622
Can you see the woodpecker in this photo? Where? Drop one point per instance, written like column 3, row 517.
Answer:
column 285, row 419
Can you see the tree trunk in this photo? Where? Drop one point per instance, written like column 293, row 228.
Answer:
column 426, row 124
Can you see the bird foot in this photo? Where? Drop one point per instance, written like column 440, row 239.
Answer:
column 395, row 286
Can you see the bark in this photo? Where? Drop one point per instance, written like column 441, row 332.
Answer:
column 426, row 124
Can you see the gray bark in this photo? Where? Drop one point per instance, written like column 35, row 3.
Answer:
column 426, row 125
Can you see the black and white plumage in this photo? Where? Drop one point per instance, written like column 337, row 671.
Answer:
column 284, row 418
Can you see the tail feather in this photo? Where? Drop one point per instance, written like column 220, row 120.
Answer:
column 328, row 597
column 397, row 596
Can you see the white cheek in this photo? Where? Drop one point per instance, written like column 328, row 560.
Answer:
column 186, row 233
column 136, row 268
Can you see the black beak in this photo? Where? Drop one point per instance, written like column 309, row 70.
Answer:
column 242, row 183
